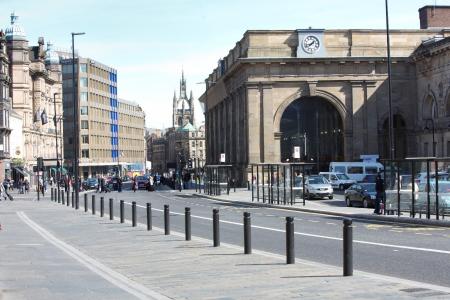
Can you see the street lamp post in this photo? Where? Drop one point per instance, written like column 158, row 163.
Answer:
column 391, row 134
column 432, row 132
column 55, row 119
column 75, row 121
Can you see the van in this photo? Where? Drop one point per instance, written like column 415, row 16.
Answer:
column 356, row 170
column 338, row 180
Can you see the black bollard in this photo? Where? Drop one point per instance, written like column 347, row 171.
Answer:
column 59, row 196
column 187, row 223
column 93, row 204
column 133, row 213
column 247, row 233
column 149, row 216
column 85, row 203
column 63, row 202
column 166, row 220
column 111, row 209
column 248, row 185
column 122, row 218
column 68, row 198
column 77, row 204
column 290, row 255
column 216, row 233
column 51, row 194
column 102, row 206
column 348, row 247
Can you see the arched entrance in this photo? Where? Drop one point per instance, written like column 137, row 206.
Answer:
column 314, row 125
column 400, row 132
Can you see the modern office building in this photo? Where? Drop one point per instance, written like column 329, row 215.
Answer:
column 326, row 91
column 35, row 90
column 111, row 131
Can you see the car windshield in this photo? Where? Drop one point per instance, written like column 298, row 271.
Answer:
column 342, row 177
column 368, row 187
column 317, row 180
column 91, row 180
column 444, row 187
column 141, row 178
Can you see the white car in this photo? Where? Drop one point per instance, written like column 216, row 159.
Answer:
column 338, row 180
column 422, row 176
column 319, row 187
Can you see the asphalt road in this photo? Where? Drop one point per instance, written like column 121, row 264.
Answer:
column 404, row 251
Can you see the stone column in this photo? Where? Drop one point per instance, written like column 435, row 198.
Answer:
column 267, row 143
column 358, row 124
column 253, row 125
column 372, row 118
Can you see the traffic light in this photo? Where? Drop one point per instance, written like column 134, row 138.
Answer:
column 40, row 164
column 190, row 163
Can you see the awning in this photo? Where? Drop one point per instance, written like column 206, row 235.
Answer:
column 20, row 171
column 63, row 170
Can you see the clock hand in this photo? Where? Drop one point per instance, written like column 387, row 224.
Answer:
column 310, row 43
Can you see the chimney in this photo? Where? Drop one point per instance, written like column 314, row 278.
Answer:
column 434, row 16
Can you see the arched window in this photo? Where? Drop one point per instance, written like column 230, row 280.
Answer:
column 430, row 108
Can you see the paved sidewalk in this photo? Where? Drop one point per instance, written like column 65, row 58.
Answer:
column 130, row 263
column 327, row 207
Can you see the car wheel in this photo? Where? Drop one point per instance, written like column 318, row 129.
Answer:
column 330, row 197
column 365, row 203
column 348, row 202
column 341, row 187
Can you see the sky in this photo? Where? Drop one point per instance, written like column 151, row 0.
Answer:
column 150, row 42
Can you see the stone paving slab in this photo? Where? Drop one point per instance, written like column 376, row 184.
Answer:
column 182, row 269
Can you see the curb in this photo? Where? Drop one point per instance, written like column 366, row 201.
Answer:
column 382, row 218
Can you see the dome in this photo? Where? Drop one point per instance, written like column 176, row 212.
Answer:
column 15, row 31
column 51, row 57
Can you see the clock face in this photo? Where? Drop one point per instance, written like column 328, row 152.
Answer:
column 310, row 44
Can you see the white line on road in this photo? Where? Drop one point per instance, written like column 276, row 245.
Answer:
column 312, row 235
column 119, row 280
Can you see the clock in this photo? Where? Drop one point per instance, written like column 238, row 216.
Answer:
column 310, row 44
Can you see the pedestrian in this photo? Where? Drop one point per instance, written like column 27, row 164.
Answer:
column 379, row 188
column 27, row 186
column 134, row 187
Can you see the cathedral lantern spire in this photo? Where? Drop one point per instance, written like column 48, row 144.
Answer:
column 183, row 112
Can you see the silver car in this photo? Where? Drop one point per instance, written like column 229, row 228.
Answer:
column 318, row 186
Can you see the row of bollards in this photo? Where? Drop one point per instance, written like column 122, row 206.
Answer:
column 290, row 233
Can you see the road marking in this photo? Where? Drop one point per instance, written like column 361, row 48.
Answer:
column 398, row 231
column 420, row 233
column 314, row 221
column 329, row 223
column 28, row 244
column 119, row 280
column 312, row 235
column 386, row 278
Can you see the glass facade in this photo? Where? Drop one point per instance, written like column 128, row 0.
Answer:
column 113, row 103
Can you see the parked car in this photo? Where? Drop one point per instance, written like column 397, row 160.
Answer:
column 422, row 177
column 142, row 182
column 90, row 184
column 443, row 196
column 318, row 186
column 364, row 193
column 338, row 180
column 356, row 170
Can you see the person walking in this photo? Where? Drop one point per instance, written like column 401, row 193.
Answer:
column 379, row 188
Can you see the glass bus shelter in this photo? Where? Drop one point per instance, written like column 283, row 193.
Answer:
column 417, row 186
column 279, row 183
column 216, row 179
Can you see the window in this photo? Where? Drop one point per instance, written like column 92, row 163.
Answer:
column 83, row 110
column 70, row 141
column 85, row 153
column 201, row 143
column 340, row 169
column 85, row 139
column 425, row 149
column 83, row 96
column 84, row 124
column 83, row 82
column 371, row 170
column 448, row 148
column 193, row 144
column 83, row 68
column 355, row 170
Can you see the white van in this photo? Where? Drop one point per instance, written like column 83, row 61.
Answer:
column 338, row 180
column 356, row 170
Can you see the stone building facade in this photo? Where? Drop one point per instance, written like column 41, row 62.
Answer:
column 36, row 91
column 322, row 90
column 5, row 111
